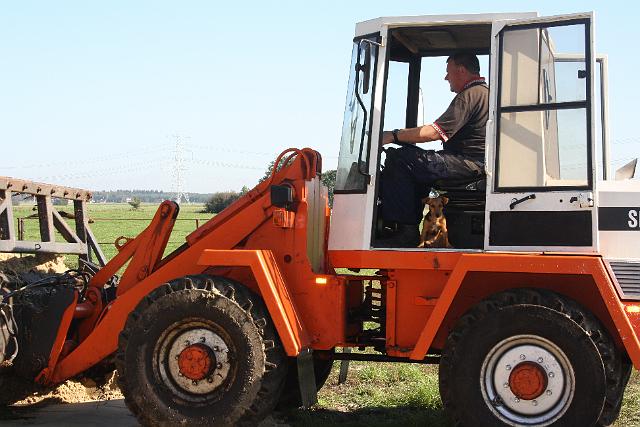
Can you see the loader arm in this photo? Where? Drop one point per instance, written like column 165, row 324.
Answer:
column 146, row 272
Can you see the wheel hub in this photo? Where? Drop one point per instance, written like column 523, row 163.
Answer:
column 528, row 380
column 196, row 361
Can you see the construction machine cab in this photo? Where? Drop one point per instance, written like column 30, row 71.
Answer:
column 541, row 141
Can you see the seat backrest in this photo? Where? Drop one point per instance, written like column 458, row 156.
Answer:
column 472, row 184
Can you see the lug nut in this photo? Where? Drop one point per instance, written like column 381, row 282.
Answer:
column 549, row 392
column 551, row 375
column 534, row 403
column 187, row 343
column 505, row 385
column 219, row 365
column 209, row 380
column 540, row 360
column 522, row 357
column 216, row 348
column 517, row 400
column 194, row 382
column 508, row 367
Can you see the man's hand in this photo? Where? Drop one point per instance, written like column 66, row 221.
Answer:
column 387, row 137
column 424, row 133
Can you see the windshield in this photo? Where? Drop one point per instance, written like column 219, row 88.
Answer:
column 352, row 163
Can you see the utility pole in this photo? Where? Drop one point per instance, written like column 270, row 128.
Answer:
column 179, row 169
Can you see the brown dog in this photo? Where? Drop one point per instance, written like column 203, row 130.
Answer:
column 434, row 225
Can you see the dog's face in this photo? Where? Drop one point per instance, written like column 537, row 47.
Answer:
column 436, row 206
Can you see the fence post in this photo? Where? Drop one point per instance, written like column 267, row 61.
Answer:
column 20, row 228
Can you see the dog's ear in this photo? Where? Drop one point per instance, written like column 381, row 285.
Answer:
column 445, row 200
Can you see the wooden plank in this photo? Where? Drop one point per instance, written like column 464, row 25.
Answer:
column 42, row 247
column 46, row 219
column 64, row 229
column 82, row 224
column 39, row 188
column 7, row 231
column 93, row 245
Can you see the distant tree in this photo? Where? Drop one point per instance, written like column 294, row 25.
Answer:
column 134, row 203
column 329, row 180
column 220, row 200
column 269, row 170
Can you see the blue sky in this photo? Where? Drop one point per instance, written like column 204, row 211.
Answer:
column 93, row 93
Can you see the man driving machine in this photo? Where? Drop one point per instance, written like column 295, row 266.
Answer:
column 410, row 171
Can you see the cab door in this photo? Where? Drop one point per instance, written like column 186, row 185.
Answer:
column 541, row 137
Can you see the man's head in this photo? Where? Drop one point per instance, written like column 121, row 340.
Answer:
column 461, row 67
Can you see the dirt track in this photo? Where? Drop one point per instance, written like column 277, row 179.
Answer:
column 102, row 413
column 95, row 414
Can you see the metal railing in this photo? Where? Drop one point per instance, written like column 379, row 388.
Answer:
column 78, row 240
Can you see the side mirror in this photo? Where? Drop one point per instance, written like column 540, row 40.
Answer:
column 365, row 67
column 281, row 196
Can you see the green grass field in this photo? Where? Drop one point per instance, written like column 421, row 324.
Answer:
column 112, row 220
column 376, row 394
column 393, row 394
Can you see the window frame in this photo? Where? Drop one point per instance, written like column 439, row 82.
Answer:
column 587, row 105
column 366, row 143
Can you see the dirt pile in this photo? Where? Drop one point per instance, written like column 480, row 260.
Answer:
column 75, row 392
column 15, row 271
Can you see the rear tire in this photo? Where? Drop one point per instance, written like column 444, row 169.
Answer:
column 500, row 345
column 240, row 366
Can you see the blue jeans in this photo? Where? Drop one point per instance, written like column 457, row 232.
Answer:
column 408, row 175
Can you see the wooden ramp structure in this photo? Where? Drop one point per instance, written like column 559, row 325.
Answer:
column 78, row 240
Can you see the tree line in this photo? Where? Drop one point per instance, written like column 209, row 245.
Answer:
column 220, row 200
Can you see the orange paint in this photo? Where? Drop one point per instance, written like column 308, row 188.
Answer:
column 282, row 255
column 528, row 380
column 273, row 290
column 195, row 362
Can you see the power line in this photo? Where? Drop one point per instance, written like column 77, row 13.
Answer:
column 88, row 160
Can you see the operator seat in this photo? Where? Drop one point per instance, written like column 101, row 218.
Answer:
column 465, row 210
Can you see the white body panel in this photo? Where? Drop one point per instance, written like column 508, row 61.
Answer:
column 375, row 25
column 621, row 244
column 349, row 229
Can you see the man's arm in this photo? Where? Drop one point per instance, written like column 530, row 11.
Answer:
column 424, row 133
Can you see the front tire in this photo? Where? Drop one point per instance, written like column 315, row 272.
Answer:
column 526, row 358
column 200, row 351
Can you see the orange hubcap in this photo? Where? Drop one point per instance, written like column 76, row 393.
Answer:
column 528, row 380
column 196, row 361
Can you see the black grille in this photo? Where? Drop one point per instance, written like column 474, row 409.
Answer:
column 628, row 275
